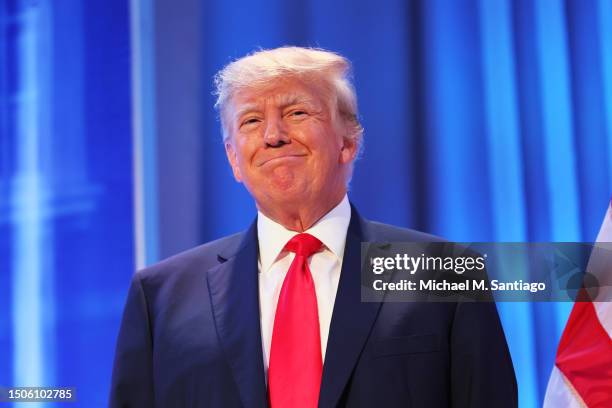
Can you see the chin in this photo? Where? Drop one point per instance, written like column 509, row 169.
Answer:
column 287, row 183
column 282, row 188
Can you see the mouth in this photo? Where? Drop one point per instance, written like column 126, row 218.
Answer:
column 288, row 157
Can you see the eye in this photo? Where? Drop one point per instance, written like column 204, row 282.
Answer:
column 249, row 121
column 298, row 113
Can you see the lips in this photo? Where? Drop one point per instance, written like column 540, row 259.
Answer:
column 271, row 160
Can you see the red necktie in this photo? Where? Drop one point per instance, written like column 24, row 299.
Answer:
column 294, row 375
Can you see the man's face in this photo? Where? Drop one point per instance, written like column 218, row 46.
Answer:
column 287, row 145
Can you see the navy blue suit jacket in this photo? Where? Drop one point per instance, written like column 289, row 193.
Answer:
column 190, row 337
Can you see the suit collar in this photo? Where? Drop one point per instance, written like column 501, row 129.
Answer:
column 234, row 297
column 352, row 319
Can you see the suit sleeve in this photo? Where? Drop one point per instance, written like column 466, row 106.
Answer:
column 482, row 374
column 132, row 380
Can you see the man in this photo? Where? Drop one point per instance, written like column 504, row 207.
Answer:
column 273, row 316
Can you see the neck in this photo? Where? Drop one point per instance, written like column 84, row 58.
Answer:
column 298, row 216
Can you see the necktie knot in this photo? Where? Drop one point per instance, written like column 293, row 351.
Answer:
column 304, row 245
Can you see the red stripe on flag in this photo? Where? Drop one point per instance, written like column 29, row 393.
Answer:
column 585, row 356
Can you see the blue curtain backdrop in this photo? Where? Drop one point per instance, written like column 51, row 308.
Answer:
column 485, row 120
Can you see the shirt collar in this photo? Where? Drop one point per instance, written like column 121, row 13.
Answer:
column 330, row 230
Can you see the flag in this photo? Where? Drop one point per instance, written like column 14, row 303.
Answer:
column 582, row 375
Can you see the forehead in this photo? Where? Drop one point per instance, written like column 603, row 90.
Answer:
column 284, row 92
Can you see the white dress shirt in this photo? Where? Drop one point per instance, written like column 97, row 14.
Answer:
column 325, row 267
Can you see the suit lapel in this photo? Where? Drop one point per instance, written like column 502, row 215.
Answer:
column 351, row 319
column 234, row 294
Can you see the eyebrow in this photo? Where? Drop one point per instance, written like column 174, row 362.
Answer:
column 284, row 100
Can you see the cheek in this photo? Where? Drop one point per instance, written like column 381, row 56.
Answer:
column 245, row 151
column 334, row 150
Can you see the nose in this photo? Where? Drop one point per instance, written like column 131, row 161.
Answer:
column 276, row 133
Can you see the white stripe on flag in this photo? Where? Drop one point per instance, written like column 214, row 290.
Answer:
column 560, row 393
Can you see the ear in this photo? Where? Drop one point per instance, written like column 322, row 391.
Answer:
column 348, row 150
column 233, row 161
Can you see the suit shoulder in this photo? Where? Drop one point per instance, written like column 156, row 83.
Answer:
column 386, row 232
column 202, row 257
